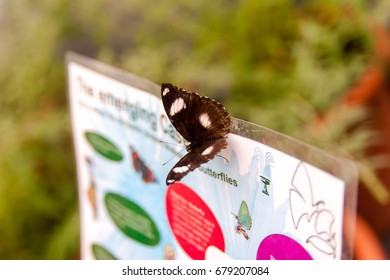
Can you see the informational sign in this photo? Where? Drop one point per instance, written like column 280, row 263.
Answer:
column 266, row 196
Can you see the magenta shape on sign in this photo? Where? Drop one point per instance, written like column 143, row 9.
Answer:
column 281, row 247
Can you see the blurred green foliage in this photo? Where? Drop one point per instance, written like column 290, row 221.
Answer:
column 277, row 63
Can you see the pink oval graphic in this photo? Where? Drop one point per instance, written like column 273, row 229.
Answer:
column 281, row 247
column 192, row 222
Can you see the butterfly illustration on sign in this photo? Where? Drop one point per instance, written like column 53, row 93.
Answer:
column 140, row 167
column 200, row 120
column 244, row 220
column 305, row 210
column 91, row 191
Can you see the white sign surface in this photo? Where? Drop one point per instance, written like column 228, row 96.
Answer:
column 251, row 202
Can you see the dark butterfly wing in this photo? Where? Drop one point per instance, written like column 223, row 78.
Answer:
column 202, row 121
column 194, row 159
column 197, row 118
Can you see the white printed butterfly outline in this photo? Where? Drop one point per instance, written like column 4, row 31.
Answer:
column 202, row 121
column 321, row 219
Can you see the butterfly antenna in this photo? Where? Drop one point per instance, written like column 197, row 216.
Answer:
column 161, row 141
column 223, row 158
column 173, row 157
column 235, row 216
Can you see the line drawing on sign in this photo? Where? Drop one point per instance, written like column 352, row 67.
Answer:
column 303, row 208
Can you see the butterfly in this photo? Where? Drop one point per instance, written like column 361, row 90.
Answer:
column 140, row 167
column 200, row 120
column 244, row 220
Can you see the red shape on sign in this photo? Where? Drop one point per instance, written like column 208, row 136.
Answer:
column 192, row 222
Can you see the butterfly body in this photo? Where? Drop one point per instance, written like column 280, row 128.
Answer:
column 200, row 120
column 240, row 230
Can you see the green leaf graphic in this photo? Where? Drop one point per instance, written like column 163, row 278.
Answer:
column 102, row 253
column 132, row 220
column 104, row 146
